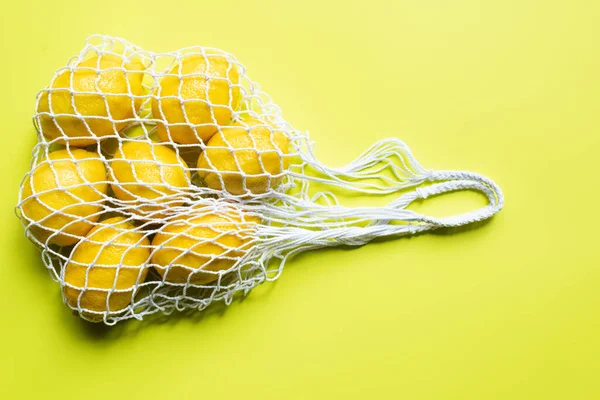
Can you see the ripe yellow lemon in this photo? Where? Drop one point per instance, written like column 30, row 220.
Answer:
column 96, row 86
column 148, row 171
column 113, row 258
column 64, row 195
column 199, row 95
column 248, row 157
column 186, row 248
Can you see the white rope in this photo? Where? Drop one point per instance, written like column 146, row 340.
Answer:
column 293, row 212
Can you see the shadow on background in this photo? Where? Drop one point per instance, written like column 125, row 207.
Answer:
column 99, row 332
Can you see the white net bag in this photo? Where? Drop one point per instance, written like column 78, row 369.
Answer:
column 168, row 181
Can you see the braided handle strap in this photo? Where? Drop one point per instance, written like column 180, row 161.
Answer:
column 387, row 167
column 298, row 238
column 452, row 181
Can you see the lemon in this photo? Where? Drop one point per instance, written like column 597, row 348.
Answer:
column 101, row 89
column 247, row 157
column 63, row 196
column 191, row 108
column 138, row 131
column 195, row 247
column 148, row 171
column 104, row 270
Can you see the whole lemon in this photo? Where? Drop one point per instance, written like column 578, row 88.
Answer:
column 105, row 268
column 251, row 157
column 63, row 196
column 101, row 89
column 194, row 248
column 148, row 171
column 198, row 95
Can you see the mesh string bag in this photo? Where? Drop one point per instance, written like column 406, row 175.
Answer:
column 169, row 181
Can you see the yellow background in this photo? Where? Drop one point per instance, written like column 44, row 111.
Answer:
column 509, row 310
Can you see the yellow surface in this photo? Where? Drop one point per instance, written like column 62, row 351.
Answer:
column 505, row 311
